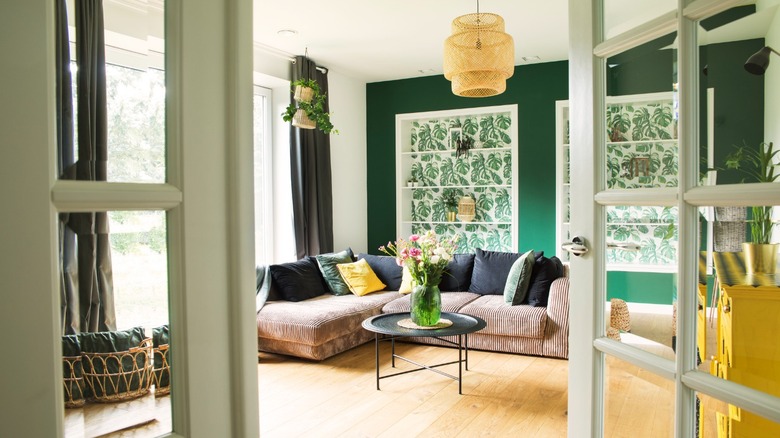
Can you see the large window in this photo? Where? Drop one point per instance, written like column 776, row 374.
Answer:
column 264, row 239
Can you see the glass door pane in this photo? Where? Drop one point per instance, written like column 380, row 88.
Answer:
column 637, row 403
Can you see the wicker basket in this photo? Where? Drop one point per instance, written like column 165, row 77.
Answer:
column 73, row 382
column 619, row 317
column 119, row 376
column 161, row 372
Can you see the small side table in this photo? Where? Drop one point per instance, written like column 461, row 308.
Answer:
column 386, row 328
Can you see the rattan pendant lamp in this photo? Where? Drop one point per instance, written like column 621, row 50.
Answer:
column 479, row 56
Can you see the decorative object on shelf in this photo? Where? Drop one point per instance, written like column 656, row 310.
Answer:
column 759, row 165
column 412, row 182
column 308, row 110
column 466, row 208
column 425, row 256
column 640, row 166
column 450, row 200
column 479, row 56
column 463, row 146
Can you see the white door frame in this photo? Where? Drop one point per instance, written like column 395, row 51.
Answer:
column 208, row 198
column 588, row 345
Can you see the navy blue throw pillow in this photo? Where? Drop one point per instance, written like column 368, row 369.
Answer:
column 457, row 276
column 298, row 281
column 386, row 269
column 545, row 271
column 491, row 269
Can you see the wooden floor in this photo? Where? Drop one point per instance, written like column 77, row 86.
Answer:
column 503, row 395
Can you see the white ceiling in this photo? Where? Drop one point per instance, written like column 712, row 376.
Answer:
column 378, row 40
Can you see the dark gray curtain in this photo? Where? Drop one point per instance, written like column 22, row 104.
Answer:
column 87, row 278
column 311, row 176
column 66, row 159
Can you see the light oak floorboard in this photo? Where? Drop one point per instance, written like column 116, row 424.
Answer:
column 503, row 395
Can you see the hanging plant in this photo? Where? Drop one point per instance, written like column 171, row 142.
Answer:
column 308, row 110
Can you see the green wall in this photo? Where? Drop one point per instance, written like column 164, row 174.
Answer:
column 534, row 88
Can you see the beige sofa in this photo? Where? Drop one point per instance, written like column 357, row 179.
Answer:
column 325, row 325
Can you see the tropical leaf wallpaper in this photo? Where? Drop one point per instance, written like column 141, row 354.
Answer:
column 488, row 131
column 485, row 174
column 472, row 235
column 653, row 228
column 642, row 151
column 644, row 135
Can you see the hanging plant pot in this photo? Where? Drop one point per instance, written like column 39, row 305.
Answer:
column 303, row 93
column 302, row 120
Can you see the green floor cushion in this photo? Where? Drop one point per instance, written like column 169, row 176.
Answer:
column 72, row 372
column 162, row 357
column 116, row 364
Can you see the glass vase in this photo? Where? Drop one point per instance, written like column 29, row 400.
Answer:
column 426, row 305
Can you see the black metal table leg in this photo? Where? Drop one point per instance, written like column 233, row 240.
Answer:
column 392, row 343
column 376, row 351
column 466, row 338
column 460, row 364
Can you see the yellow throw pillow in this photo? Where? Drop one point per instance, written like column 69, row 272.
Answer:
column 406, row 282
column 360, row 278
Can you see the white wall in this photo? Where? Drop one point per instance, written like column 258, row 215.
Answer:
column 348, row 153
column 348, row 161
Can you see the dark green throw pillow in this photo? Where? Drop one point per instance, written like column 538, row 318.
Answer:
column 72, row 370
column 113, row 376
column 162, row 373
column 327, row 264
column 518, row 279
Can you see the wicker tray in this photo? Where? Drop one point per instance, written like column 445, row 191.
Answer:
column 74, row 386
column 131, row 379
column 161, row 374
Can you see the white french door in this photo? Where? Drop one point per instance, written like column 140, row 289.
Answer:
column 708, row 41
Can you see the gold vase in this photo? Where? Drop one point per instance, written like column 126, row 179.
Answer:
column 760, row 258
column 451, row 216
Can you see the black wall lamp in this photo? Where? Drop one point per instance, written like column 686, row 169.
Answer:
column 759, row 61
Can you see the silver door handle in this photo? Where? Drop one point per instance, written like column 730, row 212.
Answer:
column 576, row 246
column 625, row 246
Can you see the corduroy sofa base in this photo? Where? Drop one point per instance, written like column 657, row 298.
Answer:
column 326, row 325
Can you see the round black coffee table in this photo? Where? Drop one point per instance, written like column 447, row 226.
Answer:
column 386, row 328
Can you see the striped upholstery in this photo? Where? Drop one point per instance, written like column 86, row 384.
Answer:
column 507, row 320
column 450, row 302
column 321, row 327
column 316, row 322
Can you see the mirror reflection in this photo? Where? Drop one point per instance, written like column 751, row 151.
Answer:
column 114, row 268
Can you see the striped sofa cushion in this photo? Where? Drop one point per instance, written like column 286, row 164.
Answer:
column 450, row 302
column 507, row 320
column 318, row 320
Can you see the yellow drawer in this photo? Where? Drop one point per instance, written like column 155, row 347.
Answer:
column 723, row 425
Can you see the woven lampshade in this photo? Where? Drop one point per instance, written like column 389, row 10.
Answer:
column 301, row 120
column 479, row 56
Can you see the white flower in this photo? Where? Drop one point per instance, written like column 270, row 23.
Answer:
column 435, row 259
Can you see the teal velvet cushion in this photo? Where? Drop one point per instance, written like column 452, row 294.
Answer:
column 518, row 279
column 162, row 373
column 119, row 368
column 327, row 264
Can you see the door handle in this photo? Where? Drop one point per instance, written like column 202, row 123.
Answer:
column 577, row 246
column 625, row 246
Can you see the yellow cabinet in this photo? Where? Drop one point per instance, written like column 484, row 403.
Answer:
column 748, row 350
